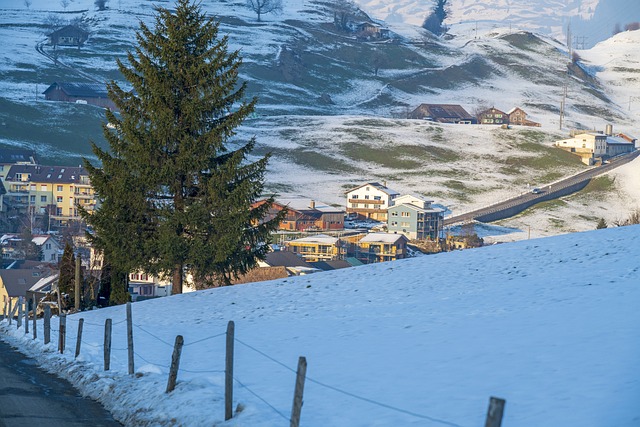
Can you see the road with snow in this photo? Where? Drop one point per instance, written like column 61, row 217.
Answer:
column 528, row 199
column 30, row 396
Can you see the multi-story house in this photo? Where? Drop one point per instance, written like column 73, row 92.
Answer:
column 10, row 157
column 517, row 116
column 306, row 215
column 381, row 247
column 415, row 218
column 317, row 248
column 493, row 116
column 370, row 201
column 56, row 190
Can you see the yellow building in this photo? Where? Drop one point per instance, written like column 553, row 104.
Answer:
column 15, row 283
column 380, row 247
column 56, row 190
column 317, row 248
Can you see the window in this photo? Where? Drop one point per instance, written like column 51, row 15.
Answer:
column 405, row 214
column 47, row 246
column 59, row 188
column 366, row 197
column 43, row 199
column 366, row 206
column 58, row 211
column 394, row 213
column 394, row 223
column 404, row 224
column 33, row 187
column 32, row 199
column 355, row 196
column 377, row 197
column 354, row 205
column 367, row 188
column 59, row 199
column 18, row 177
column 43, row 187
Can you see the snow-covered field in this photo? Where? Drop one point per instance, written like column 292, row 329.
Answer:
column 548, row 324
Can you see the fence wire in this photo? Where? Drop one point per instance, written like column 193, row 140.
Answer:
column 261, row 398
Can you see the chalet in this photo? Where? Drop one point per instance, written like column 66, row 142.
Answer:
column 442, row 113
column 493, row 116
column 15, row 282
column 317, row 248
column 371, row 31
column 518, row 117
column 380, row 247
column 71, row 35
column 370, row 201
column 80, row 93
column 306, row 215
column 415, row 218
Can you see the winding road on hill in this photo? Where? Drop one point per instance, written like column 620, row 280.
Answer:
column 510, row 207
column 41, row 50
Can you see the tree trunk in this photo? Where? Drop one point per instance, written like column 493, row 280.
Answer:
column 176, row 284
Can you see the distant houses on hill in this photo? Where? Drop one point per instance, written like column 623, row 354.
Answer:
column 80, row 93
column 453, row 113
column 70, row 35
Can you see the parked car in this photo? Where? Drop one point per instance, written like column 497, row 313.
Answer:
column 537, row 191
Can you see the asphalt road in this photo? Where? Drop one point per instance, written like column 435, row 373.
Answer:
column 526, row 197
column 30, row 396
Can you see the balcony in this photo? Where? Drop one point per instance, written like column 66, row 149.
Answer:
column 371, row 202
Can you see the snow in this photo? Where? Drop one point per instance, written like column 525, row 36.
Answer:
column 548, row 324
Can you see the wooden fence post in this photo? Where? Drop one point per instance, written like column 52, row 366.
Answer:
column 19, row 322
column 495, row 412
column 175, row 363
column 4, row 310
column 228, row 372
column 26, row 315
column 63, row 332
column 47, row 324
column 130, row 338
column 79, row 339
column 297, row 395
column 78, row 284
column 35, row 317
column 107, row 344
column 10, row 312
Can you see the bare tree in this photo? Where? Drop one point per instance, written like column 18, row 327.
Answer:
column 27, row 3
column 343, row 12
column 64, row 4
column 260, row 7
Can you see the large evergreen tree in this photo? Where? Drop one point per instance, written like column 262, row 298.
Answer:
column 66, row 279
column 175, row 191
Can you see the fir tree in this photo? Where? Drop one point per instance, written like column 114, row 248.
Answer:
column 601, row 224
column 66, row 279
column 26, row 248
column 176, row 192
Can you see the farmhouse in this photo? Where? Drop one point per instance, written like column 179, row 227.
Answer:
column 70, row 35
column 518, row 117
column 80, row 93
column 493, row 116
column 371, row 31
column 442, row 113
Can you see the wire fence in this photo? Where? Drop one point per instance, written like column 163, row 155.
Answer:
column 165, row 368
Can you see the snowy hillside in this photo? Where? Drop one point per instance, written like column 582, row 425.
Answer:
column 549, row 324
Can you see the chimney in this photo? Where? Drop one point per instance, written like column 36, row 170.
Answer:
column 384, row 183
column 312, row 204
column 609, row 130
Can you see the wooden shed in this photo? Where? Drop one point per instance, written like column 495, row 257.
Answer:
column 80, row 93
column 71, row 35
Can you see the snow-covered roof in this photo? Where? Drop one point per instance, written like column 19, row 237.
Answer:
column 318, row 238
column 382, row 238
column 378, row 186
column 304, row 204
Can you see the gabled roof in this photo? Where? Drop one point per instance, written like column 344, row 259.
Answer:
column 331, row 265
column 318, row 238
column 18, row 282
column 514, row 109
column 304, row 205
column 377, row 185
column 383, row 238
column 69, row 30
column 16, row 155
column 80, row 90
column 48, row 174
column 414, row 207
column 441, row 111
column 285, row 259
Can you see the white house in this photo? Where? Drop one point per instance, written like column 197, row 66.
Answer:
column 370, row 201
column 51, row 249
column 143, row 286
